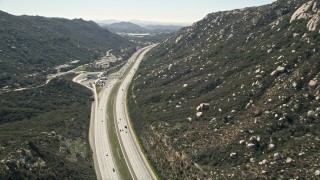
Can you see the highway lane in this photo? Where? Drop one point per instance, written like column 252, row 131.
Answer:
column 138, row 163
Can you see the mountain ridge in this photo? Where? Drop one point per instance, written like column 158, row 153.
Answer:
column 32, row 46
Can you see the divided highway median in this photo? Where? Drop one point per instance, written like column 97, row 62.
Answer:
column 115, row 145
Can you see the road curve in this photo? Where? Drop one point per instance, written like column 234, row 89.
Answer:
column 135, row 158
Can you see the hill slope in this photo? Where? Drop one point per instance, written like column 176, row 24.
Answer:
column 257, row 72
column 44, row 132
column 31, row 47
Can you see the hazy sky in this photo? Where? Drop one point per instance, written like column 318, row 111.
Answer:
column 171, row 11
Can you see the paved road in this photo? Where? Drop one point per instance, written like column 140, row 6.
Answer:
column 104, row 162
column 135, row 159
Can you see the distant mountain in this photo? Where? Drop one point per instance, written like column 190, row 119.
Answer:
column 31, row 46
column 128, row 27
column 140, row 23
column 105, row 22
column 125, row 27
column 146, row 23
column 162, row 28
column 234, row 96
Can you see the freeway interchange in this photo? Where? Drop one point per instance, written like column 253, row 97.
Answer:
column 110, row 109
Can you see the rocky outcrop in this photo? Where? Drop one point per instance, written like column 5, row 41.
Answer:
column 302, row 12
column 312, row 83
column 314, row 23
column 279, row 70
column 199, row 114
column 203, row 106
column 309, row 10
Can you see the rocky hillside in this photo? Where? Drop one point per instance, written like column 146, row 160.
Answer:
column 235, row 95
column 31, row 46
